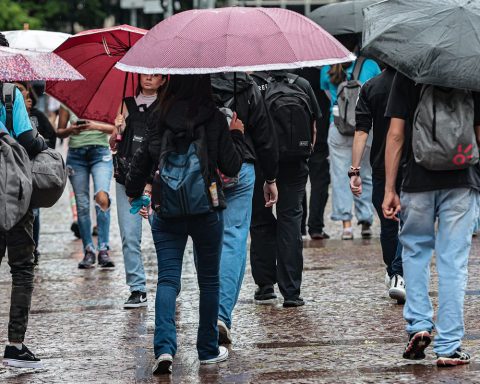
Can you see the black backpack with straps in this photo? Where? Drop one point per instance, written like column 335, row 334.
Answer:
column 133, row 136
column 8, row 98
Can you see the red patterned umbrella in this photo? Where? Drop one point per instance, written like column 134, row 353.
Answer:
column 233, row 39
column 94, row 54
column 21, row 65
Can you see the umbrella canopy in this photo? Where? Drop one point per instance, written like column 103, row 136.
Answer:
column 94, row 54
column 233, row 39
column 21, row 65
column 430, row 41
column 43, row 41
column 341, row 18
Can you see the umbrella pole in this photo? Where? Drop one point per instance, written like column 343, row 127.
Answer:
column 124, row 91
column 234, row 107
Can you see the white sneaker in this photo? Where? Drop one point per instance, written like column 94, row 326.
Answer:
column 224, row 335
column 222, row 356
column 163, row 364
column 347, row 233
column 397, row 289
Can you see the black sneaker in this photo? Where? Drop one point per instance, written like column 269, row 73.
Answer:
column 163, row 364
column 457, row 358
column 88, row 260
column 104, row 260
column 319, row 235
column 291, row 303
column 75, row 229
column 366, row 230
column 20, row 358
column 137, row 299
column 416, row 345
column 265, row 295
column 95, row 231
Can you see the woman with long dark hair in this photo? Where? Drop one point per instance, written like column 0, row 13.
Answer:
column 130, row 129
column 187, row 114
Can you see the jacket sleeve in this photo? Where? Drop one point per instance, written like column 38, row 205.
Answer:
column 33, row 143
column 46, row 130
column 231, row 148
column 140, row 169
column 363, row 114
column 260, row 129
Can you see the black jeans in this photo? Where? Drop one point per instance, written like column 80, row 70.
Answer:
column 319, row 181
column 391, row 247
column 276, row 248
column 20, row 245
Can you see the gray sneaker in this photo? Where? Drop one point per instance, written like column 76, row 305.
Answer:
column 88, row 260
column 104, row 260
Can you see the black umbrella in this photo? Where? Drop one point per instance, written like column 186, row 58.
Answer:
column 430, row 41
column 341, row 18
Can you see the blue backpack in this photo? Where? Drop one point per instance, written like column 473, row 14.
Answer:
column 181, row 185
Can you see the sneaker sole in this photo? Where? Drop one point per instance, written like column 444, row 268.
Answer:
column 265, row 302
column 107, row 268
column 366, row 236
column 447, row 362
column 139, row 305
column 216, row 360
column 164, row 367
column 347, row 237
column 416, row 347
column 22, row 363
column 86, row 267
column 397, row 294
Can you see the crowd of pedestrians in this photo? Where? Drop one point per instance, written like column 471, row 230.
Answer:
column 220, row 157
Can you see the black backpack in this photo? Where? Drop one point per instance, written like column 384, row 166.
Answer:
column 133, row 136
column 291, row 114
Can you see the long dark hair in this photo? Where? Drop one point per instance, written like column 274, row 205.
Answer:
column 196, row 90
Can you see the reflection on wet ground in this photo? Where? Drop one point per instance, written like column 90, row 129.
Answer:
column 348, row 332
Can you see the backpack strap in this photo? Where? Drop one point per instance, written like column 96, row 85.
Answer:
column 358, row 68
column 8, row 99
column 131, row 105
column 291, row 78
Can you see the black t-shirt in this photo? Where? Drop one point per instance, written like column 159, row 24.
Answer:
column 370, row 113
column 402, row 104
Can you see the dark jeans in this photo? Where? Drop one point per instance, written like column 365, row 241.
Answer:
column 20, row 245
column 391, row 247
column 36, row 226
column 276, row 248
column 170, row 237
column 319, row 171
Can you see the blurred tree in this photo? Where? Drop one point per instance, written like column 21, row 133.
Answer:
column 13, row 16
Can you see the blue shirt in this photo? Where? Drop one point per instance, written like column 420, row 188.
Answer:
column 369, row 70
column 3, row 128
column 21, row 120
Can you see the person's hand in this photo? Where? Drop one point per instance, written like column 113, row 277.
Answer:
column 87, row 126
column 356, row 185
column 270, row 193
column 120, row 122
column 74, row 129
column 391, row 206
column 112, row 141
column 236, row 123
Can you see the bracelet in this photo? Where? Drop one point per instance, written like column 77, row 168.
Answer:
column 355, row 168
column 271, row 181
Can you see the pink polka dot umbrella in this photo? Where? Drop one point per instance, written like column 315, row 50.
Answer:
column 22, row 65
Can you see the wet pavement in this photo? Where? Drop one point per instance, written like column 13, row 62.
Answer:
column 348, row 331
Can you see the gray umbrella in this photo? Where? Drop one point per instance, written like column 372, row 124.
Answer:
column 341, row 18
column 430, row 41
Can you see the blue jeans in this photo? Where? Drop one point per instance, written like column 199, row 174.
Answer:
column 170, row 237
column 131, row 234
column 340, row 149
column 451, row 243
column 81, row 163
column 237, row 218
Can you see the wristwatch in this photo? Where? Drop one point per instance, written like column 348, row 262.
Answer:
column 271, row 181
column 354, row 171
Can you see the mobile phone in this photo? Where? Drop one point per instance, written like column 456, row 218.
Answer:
column 81, row 122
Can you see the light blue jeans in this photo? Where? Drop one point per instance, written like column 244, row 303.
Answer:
column 131, row 234
column 236, row 218
column 81, row 163
column 454, row 210
column 340, row 147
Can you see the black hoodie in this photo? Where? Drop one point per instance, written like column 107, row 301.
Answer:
column 260, row 139
column 225, row 148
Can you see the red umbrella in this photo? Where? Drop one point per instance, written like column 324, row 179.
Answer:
column 94, row 54
column 233, row 39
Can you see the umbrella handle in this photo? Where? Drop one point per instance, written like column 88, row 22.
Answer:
column 234, row 106
column 124, row 91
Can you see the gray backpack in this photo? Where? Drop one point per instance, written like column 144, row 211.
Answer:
column 15, row 182
column 443, row 137
column 347, row 97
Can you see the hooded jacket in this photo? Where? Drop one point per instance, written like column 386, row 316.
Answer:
column 260, row 139
column 225, row 148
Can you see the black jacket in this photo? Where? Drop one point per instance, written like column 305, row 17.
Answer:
column 260, row 139
column 225, row 149
column 43, row 126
